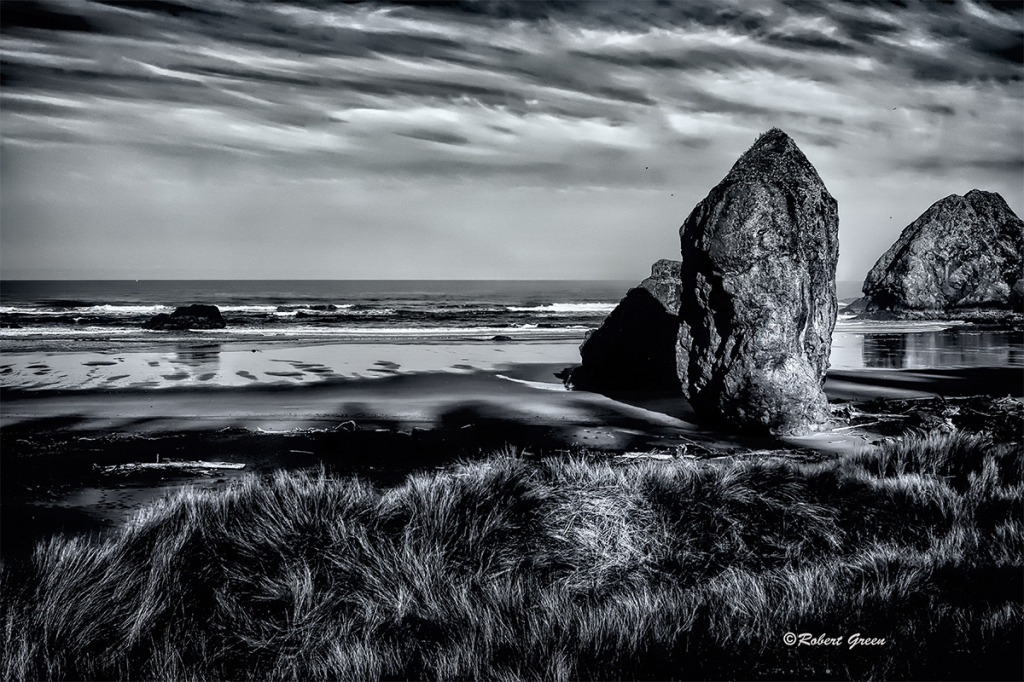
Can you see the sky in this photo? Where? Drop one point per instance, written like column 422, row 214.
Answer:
column 475, row 139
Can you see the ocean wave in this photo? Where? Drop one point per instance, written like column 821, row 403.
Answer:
column 299, row 332
column 65, row 331
column 852, row 326
column 108, row 309
column 594, row 308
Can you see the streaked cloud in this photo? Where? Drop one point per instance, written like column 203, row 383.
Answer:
column 638, row 97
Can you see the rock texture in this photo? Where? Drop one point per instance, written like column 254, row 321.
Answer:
column 758, row 299
column 963, row 252
column 197, row 316
column 634, row 348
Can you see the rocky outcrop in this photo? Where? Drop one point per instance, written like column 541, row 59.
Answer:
column 758, row 298
column 963, row 252
column 634, row 348
column 196, row 316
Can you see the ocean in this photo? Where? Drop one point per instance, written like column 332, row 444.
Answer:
column 322, row 309
column 100, row 316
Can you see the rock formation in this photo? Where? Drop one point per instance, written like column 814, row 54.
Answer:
column 963, row 252
column 758, row 299
column 634, row 348
column 196, row 316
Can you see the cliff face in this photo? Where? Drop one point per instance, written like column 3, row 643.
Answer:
column 758, row 300
column 963, row 252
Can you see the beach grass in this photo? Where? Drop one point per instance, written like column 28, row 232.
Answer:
column 566, row 568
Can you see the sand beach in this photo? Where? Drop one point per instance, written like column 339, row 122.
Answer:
column 377, row 410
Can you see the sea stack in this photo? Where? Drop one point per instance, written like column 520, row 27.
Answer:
column 963, row 252
column 634, row 348
column 758, row 300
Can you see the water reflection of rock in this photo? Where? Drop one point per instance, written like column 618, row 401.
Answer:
column 201, row 361
column 947, row 348
column 886, row 351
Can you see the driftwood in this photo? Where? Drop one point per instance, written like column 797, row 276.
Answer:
column 1002, row 418
column 646, row 455
column 132, row 467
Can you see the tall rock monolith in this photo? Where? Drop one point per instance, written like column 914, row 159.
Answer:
column 963, row 252
column 758, row 300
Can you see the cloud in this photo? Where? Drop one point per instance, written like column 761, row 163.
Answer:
column 438, row 136
column 559, row 96
column 40, row 16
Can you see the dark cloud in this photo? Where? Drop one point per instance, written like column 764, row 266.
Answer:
column 571, row 75
column 864, row 29
column 693, row 142
column 304, row 64
column 810, row 42
column 17, row 16
column 174, row 9
column 1009, row 164
column 941, row 109
column 1006, row 46
column 600, row 166
column 62, row 137
column 65, row 80
column 699, row 100
column 427, row 88
column 636, row 14
column 438, row 136
column 817, row 140
column 689, row 60
column 975, row 47
column 497, row 9
column 937, row 68
column 1013, row 53
column 1013, row 7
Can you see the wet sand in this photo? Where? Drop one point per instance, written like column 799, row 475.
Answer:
column 205, row 364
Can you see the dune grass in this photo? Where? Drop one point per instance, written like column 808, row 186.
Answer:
column 559, row 569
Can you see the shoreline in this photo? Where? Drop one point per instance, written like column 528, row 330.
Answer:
column 200, row 359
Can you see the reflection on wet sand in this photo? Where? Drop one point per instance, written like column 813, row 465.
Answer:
column 947, row 348
column 206, row 356
column 199, row 362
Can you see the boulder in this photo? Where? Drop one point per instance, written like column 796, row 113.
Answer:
column 634, row 348
column 1017, row 296
column 758, row 301
column 857, row 306
column 196, row 316
column 963, row 252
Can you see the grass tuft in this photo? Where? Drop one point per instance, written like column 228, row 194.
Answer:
column 568, row 568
